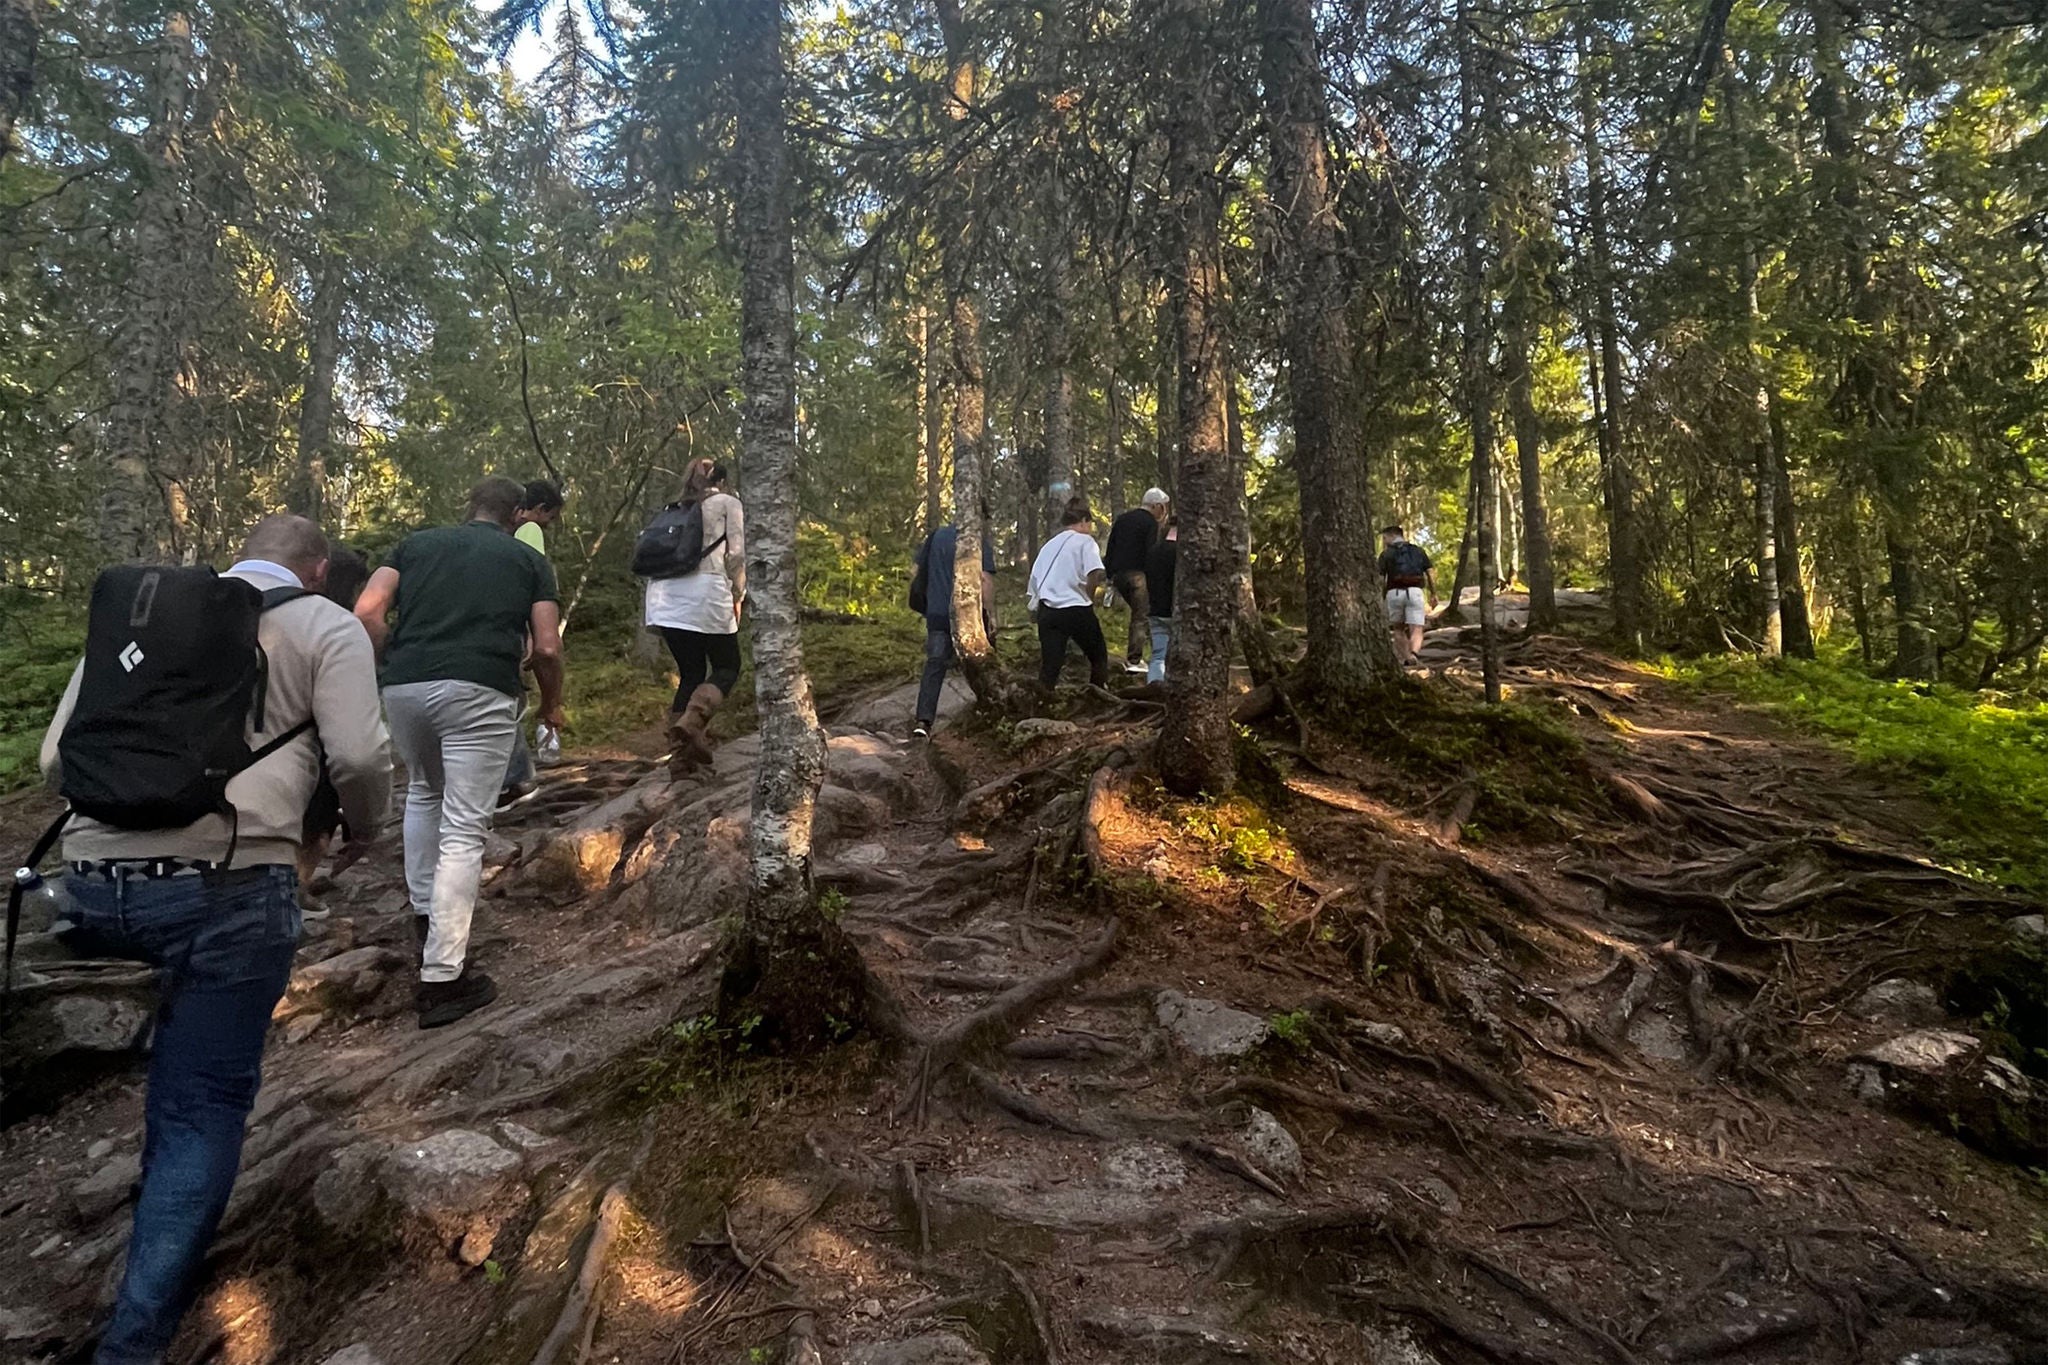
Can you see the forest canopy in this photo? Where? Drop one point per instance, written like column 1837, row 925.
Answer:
column 1742, row 302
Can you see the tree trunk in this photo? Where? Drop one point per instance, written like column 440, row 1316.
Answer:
column 1195, row 743
column 794, row 978
column 1454, row 609
column 1791, row 572
column 1060, row 477
column 1536, row 557
column 1477, row 350
column 1261, row 659
column 970, row 393
column 1113, row 438
column 1762, row 434
column 316, row 409
column 19, row 32
column 151, row 341
column 1625, row 565
column 927, row 429
column 1350, row 651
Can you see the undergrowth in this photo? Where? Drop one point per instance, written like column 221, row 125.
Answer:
column 40, row 639
column 1982, row 758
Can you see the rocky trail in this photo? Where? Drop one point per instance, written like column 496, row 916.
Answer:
column 1644, row 1032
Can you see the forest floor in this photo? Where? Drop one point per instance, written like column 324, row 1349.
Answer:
column 1539, row 1036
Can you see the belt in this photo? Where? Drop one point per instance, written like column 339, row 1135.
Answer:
column 155, row 869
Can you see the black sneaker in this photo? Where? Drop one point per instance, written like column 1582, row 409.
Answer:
column 441, row 1003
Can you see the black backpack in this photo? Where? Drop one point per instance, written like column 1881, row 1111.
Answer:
column 173, row 677
column 1410, row 565
column 673, row 543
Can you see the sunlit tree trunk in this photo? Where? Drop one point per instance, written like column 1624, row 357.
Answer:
column 791, row 968
column 1195, row 743
column 19, row 33
column 1528, row 425
column 1350, row 652
column 1477, row 350
column 1254, row 642
column 1061, row 477
column 149, row 347
column 316, row 407
column 1166, row 455
column 1792, row 602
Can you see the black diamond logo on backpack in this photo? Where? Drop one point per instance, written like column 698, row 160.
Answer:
column 131, row 656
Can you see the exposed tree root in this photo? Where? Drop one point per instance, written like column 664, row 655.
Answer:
column 983, row 1026
column 611, row 1212
column 1093, row 809
column 1020, row 1105
column 910, row 1192
column 1230, row 1163
column 1461, row 1326
column 1041, row 1323
column 1550, row 1306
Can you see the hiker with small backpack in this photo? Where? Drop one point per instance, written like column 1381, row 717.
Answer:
column 188, row 744
column 931, row 596
column 466, row 599
column 1061, row 597
column 1405, row 567
column 693, row 556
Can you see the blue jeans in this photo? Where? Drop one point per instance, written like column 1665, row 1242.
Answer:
column 223, row 949
column 1162, row 638
column 938, row 657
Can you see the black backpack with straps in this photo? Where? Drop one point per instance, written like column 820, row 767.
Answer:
column 673, row 545
column 173, row 680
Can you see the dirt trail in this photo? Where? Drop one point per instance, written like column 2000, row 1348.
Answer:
column 1560, row 1057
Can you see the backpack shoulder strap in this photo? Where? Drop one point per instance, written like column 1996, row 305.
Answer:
column 277, row 597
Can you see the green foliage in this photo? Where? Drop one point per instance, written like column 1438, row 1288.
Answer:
column 1982, row 758
column 1291, row 1028
column 40, row 640
column 1237, row 834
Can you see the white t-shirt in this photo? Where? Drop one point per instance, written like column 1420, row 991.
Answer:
column 704, row 601
column 1059, row 576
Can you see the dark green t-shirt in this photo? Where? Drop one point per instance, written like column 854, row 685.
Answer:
column 465, row 594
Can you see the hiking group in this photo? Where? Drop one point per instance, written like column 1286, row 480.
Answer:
column 223, row 732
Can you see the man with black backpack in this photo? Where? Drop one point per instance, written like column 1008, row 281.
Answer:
column 189, row 743
column 1405, row 567
column 467, row 599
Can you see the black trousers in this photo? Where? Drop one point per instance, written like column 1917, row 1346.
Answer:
column 701, row 658
column 1130, row 585
column 1059, row 625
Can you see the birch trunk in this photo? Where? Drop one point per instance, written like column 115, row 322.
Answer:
column 1350, row 651
column 1195, row 743
column 793, row 977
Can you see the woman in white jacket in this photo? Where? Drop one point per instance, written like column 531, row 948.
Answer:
column 698, row 616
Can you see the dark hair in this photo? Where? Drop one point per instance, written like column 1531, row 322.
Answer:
column 496, row 498
column 704, row 478
column 542, row 495
column 1076, row 512
column 347, row 572
column 1392, row 531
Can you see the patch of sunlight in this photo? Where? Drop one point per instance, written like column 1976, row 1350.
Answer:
column 246, row 1323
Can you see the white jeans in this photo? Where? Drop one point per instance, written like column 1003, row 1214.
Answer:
column 455, row 739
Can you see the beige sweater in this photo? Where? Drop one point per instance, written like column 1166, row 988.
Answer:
column 320, row 665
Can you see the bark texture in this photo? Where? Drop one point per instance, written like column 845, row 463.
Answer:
column 19, row 33
column 1195, row 744
column 1539, row 573
column 791, row 969
column 1350, row 653
column 316, row 408
column 149, row 347
column 1476, row 364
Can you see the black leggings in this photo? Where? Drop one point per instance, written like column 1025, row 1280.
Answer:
column 697, row 654
column 1058, row 625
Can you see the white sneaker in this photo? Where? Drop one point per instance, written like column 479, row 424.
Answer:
column 1135, row 667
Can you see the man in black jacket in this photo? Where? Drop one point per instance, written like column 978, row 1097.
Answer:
column 1131, row 537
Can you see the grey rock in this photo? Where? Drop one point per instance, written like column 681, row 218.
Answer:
column 1044, row 727
column 1077, row 1207
column 46, row 1246
column 347, row 1188
column 450, row 1172
column 1271, row 1147
column 1924, row 1052
column 933, row 1348
column 1438, row 1191
column 1655, row 1035
column 2029, row 928
column 1208, row 1028
column 1958, row 1355
column 1143, row 1167
column 1168, row 1336
column 852, row 763
column 358, row 1354
column 518, row 1136
column 108, row 1188
column 100, row 1150
column 342, row 982
column 1386, row 1035
column 1866, row 1082
column 1395, row 1347
column 1900, row 1003
column 844, row 813
column 303, row 1027
column 866, row 855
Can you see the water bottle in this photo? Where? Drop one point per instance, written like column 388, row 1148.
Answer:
column 547, row 747
column 42, row 904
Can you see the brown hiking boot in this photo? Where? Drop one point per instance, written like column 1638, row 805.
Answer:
column 692, row 750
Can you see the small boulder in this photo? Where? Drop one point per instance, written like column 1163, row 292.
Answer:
column 1044, row 727
column 844, row 814
column 933, row 1348
column 341, row 983
column 358, row 1354
column 1386, row 1035
column 1271, row 1147
column 2029, row 928
column 1208, row 1028
column 107, row 1188
column 1924, row 1052
column 1144, row 1167
column 854, row 764
column 1900, row 1003
column 1951, row 1080
column 303, row 1027
column 1165, row 1336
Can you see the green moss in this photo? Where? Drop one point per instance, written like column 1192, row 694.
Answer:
column 1980, row 757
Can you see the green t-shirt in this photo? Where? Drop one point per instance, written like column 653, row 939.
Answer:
column 465, row 595
column 529, row 534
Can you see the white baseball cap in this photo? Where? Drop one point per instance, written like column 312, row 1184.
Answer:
column 1155, row 497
